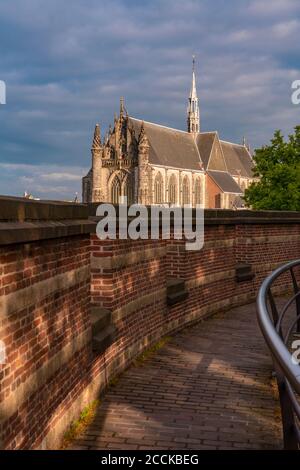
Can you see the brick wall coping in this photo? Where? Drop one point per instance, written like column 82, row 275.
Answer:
column 21, row 209
column 24, row 220
column 227, row 216
column 240, row 217
column 247, row 216
column 25, row 232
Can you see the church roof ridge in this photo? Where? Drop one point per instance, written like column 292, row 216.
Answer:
column 231, row 143
column 173, row 128
column 159, row 125
column 208, row 132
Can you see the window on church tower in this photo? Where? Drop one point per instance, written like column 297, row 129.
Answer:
column 158, row 189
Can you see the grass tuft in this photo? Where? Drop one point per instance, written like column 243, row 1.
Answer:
column 79, row 425
column 139, row 361
column 87, row 415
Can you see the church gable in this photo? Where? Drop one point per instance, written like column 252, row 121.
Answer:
column 204, row 143
column 216, row 159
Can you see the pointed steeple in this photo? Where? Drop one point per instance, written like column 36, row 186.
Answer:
column 193, row 113
column 97, row 138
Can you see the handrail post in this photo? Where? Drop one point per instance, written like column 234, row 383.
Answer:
column 287, row 371
column 287, row 414
column 296, row 289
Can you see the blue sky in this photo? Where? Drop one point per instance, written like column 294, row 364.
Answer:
column 66, row 64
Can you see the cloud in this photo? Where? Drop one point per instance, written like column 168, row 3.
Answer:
column 65, row 69
column 55, row 182
column 274, row 7
column 63, row 176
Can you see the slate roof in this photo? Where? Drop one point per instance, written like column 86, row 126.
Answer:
column 205, row 142
column 169, row 147
column 175, row 148
column 237, row 157
column 225, row 181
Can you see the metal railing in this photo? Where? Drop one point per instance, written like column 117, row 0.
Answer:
column 281, row 329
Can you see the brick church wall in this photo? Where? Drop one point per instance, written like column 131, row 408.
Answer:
column 53, row 269
column 213, row 194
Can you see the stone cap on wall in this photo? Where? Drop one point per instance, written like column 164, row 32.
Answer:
column 248, row 216
column 228, row 216
column 26, row 220
column 21, row 209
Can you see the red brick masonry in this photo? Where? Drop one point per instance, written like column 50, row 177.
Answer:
column 209, row 387
column 53, row 269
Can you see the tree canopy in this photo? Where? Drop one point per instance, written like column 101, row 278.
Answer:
column 278, row 168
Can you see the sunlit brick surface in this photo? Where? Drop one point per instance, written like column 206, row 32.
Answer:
column 209, row 388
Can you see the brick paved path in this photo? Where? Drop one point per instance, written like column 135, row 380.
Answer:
column 208, row 388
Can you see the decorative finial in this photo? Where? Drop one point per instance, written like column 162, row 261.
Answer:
column 121, row 106
column 246, row 144
column 97, row 137
column 142, row 137
column 142, row 129
column 193, row 63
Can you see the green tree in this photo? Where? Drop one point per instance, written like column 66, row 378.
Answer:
column 278, row 168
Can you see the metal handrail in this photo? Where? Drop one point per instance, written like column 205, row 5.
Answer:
column 287, row 373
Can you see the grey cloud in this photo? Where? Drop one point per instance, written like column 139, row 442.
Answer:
column 67, row 64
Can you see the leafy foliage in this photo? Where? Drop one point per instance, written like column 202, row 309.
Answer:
column 278, row 167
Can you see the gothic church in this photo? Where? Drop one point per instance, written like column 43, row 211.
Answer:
column 153, row 164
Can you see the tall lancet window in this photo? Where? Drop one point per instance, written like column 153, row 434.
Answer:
column 158, row 189
column 128, row 190
column 172, row 190
column 185, row 191
column 115, row 190
column 198, row 191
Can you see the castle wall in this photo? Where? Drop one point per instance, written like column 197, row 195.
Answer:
column 54, row 270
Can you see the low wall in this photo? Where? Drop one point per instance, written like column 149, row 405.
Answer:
column 54, row 272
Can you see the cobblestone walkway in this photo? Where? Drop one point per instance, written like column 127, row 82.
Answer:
column 208, row 388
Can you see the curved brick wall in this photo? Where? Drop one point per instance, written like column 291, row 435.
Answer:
column 54, row 272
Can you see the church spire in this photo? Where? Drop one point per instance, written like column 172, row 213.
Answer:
column 97, row 138
column 193, row 114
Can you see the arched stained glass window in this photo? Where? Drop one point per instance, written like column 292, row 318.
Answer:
column 158, row 189
column 198, row 191
column 172, row 190
column 115, row 190
column 185, row 191
column 128, row 190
